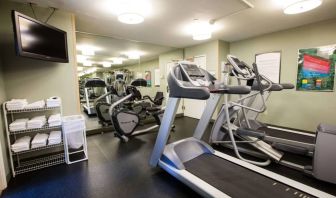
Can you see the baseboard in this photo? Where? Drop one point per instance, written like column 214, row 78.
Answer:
column 111, row 129
column 299, row 130
column 179, row 115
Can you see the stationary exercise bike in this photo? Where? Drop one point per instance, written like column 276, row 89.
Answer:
column 127, row 113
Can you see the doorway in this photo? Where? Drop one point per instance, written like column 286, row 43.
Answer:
column 194, row 108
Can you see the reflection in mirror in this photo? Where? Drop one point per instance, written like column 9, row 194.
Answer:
column 107, row 64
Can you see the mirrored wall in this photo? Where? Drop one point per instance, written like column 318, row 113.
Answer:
column 114, row 63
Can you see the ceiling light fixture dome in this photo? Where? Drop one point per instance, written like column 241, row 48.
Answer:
column 201, row 30
column 131, row 18
column 131, row 11
column 302, row 6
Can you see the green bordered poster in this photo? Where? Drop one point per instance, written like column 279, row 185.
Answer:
column 148, row 78
column 316, row 69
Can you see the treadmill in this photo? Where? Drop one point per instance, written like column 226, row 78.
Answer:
column 205, row 170
column 92, row 83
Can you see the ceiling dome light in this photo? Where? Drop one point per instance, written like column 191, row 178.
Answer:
column 201, row 30
column 131, row 18
column 198, row 36
column 131, row 11
column 302, row 6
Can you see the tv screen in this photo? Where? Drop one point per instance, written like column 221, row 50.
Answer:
column 35, row 39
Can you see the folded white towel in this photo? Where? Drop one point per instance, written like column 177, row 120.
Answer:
column 39, row 140
column 55, row 137
column 21, row 144
column 36, row 122
column 55, row 120
column 36, row 105
column 18, row 125
column 56, row 117
column 54, row 124
column 16, row 104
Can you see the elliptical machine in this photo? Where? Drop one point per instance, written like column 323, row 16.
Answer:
column 127, row 113
column 231, row 132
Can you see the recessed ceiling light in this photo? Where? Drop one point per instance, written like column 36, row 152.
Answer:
column 131, row 18
column 81, row 58
column 88, row 50
column 117, row 61
column 106, row 64
column 87, row 63
column 133, row 54
column 201, row 30
column 302, row 6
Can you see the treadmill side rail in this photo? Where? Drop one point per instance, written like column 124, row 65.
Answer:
column 164, row 131
column 292, row 183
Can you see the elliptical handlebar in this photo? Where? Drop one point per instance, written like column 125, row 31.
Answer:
column 241, row 70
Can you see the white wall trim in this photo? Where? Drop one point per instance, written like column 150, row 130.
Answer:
column 3, row 178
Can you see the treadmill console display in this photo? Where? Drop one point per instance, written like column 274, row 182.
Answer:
column 195, row 75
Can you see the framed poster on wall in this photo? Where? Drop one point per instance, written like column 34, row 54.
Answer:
column 148, row 78
column 316, row 68
column 269, row 64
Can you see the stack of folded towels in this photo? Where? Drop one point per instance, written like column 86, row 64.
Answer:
column 21, row 144
column 55, row 120
column 18, row 125
column 16, row 104
column 36, row 122
column 54, row 101
column 35, row 105
column 39, row 140
column 55, row 137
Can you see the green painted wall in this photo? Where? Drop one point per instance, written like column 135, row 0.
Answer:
column 37, row 79
column 142, row 68
column 294, row 109
column 3, row 137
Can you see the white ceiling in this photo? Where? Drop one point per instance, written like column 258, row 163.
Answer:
column 110, row 47
column 166, row 24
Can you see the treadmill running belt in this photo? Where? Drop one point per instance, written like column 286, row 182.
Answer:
column 237, row 181
column 288, row 135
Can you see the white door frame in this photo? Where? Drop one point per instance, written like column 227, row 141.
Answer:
column 3, row 179
column 195, row 112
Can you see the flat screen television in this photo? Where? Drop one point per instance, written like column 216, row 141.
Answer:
column 38, row 40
